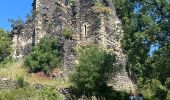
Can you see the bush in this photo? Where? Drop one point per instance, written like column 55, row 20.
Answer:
column 44, row 57
column 108, row 94
column 49, row 93
column 28, row 93
column 154, row 91
column 160, row 93
column 167, row 83
column 67, row 32
column 5, row 46
column 118, row 95
column 17, row 24
column 72, row 2
column 93, row 70
column 20, row 81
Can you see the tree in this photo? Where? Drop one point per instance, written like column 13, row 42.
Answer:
column 5, row 45
column 93, row 70
column 145, row 23
column 17, row 25
column 161, row 63
column 44, row 57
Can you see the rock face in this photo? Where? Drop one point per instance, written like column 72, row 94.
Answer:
column 90, row 22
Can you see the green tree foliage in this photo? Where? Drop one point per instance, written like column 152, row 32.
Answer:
column 167, row 83
column 159, row 92
column 20, row 81
column 17, row 24
column 93, row 70
column 44, row 57
column 5, row 45
column 161, row 63
column 145, row 23
column 155, row 91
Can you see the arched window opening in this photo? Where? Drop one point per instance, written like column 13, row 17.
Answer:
column 85, row 30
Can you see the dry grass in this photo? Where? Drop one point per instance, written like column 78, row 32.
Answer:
column 12, row 71
column 15, row 70
column 99, row 8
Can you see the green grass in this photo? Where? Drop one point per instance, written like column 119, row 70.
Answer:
column 12, row 71
column 15, row 70
column 28, row 93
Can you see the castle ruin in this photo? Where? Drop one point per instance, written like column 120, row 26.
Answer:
column 90, row 23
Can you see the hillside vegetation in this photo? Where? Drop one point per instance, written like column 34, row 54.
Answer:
column 146, row 42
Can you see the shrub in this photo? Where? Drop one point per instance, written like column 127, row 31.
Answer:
column 160, row 93
column 167, row 83
column 17, row 24
column 68, row 32
column 5, row 46
column 117, row 95
column 20, row 81
column 154, row 91
column 49, row 93
column 93, row 70
column 108, row 94
column 44, row 57
column 28, row 93
column 72, row 2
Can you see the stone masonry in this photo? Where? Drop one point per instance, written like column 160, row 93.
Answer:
column 89, row 26
column 6, row 83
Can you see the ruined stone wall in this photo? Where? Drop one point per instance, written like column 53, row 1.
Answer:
column 6, row 83
column 88, row 22
column 111, row 35
column 62, row 20
column 104, row 29
column 23, row 41
column 52, row 16
column 69, row 55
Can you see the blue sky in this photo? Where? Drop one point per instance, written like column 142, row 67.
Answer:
column 12, row 9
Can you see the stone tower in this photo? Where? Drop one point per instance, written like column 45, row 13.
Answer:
column 90, row 22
